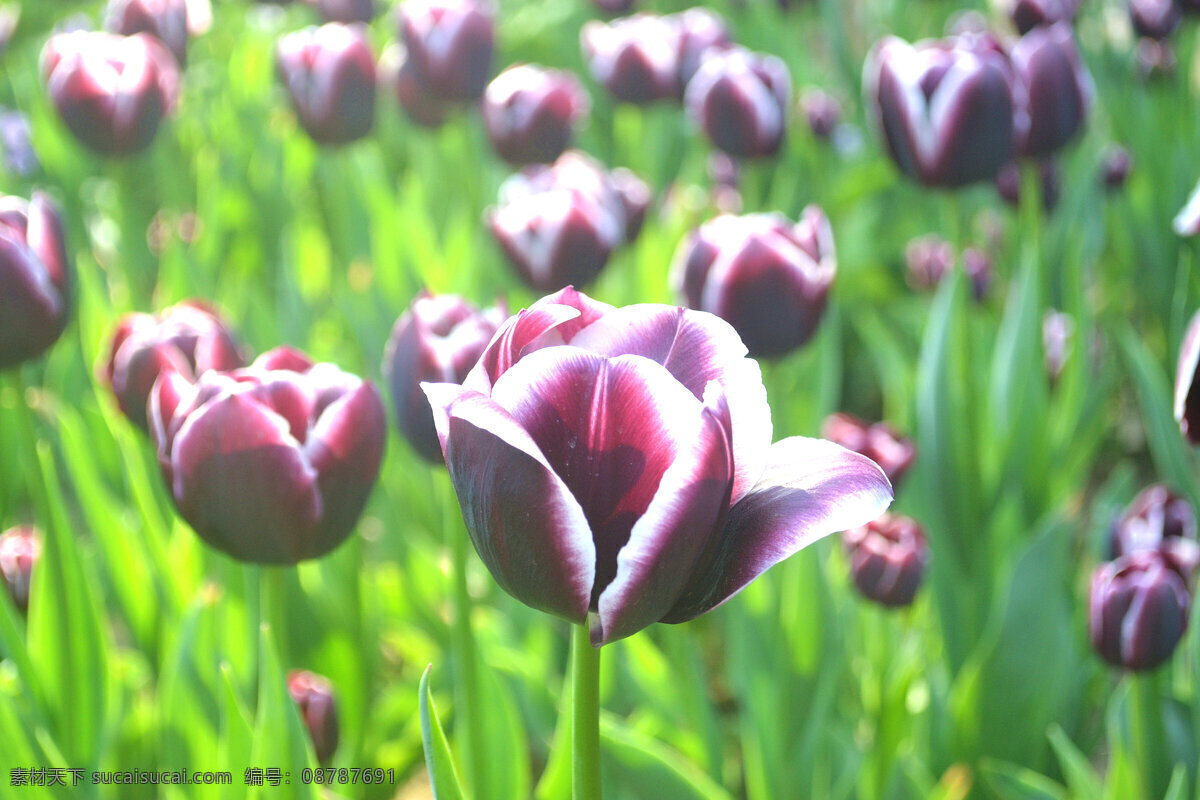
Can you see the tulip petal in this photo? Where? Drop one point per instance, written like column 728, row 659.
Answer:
column 528, row 529
column 695, row 347
column 810, row 489
column 509, row 343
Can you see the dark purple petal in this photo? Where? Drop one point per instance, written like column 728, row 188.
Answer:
column 520, row 332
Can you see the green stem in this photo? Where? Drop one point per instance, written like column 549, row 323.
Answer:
column 273, row 606
column 585, row 702
column 1149, row 740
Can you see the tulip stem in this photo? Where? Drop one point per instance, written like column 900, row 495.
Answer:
column 1148, row 734
column 272, row 600
column 585, row 720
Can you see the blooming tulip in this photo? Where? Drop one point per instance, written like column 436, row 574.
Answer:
column 166, row 20
column 450, row 43
column 438, row 339
column 111, row 91
column 188, row 338
column 635, row 58
column 877, row 441
column 1057, row 88
column 272, row 463
column 1155, row 19
column 614, row 465
column 330, row 75
column 20, row 550
column 979, row 269
column 35, row 278
column 1138, row 610
column 945, row 108
column 763, row 275
column 740, row 101
column 313, row 695
column 1187, row 392
column 887, row 559
column 701, row 31
column 531, row 112
column 1158, row 519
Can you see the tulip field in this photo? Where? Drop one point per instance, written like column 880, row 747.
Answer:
column 566, row 399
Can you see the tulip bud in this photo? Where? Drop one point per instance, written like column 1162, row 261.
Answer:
column 887, row 559
column 20, row 549
column 35, row 276
column 165, row 20
column 1029, row 14
column 1057, row 331
column 272, row 463
column 635, row 58
column 740, row 100
column 699, row 30
column 438, row 340
column 877, row 441
column 1138, row 610
column 766, row 277
column 613, row 7
column 420, row 104
column 450, row 43
column 329, row 73
column 1008, row 183
column 531, row 112
column 978, row 266
column 1158, row 519
column 313, row 694
column 945, row 108
column 1115, row 169
column 1155, row 19
column 822, row 111
column 111, row 91
column 188, row 338
column 929, row 259
column 1187, row 391
column 1057, row 88
column 1155, row 59
column 347, row 11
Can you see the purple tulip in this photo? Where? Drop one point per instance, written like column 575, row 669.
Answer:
column 637, row 58
column 111, row 91
column 1138, row 610
column 740, row 100
column 437, row 340
column 419, row 102
column 822, row 111
column 531, row 113
column 945, row 108
column 929, row 259
column 888, row 557
column 35, row 276
column 701, row 32
column 189, row 338
column 346, row 11
column 1029, row 14
column 272, row 463
column 1158, row 519
column 165, row 20
column 979, row 269
column 1058, row 329
column 877, row 441
column 450, row 43
column 614, row 465
column 763, row 275
column 1187, row 391
column 329, row 73
column 1056, row 88
column 20, row 550
column 1155, row 19
column 313, row 695
column 1117, row 165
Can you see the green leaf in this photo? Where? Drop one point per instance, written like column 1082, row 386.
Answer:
column 1081, row 778
column 635, row 762
column 280, row 738
column 443, row 775
column 1013, row 782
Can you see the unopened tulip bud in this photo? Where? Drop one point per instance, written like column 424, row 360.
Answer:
column 1029, row 14
column 1008, row 183
column 35, row 278
column 329, row 73
column 888, row 557
column 877, row 441
column 165, row 20
column 20, row 550
column 978, row 266
column 1058, row 330
column 313, row 695
column 450, row 44
column 438, row 339
column 1138, row 610
column 531, row 112
column 111, row 91
column 822, row 111
column 929, row 259
column 740, row 100
column 1155, row 19
column 635, row 58
column 1057, row 88
column 1115, row 170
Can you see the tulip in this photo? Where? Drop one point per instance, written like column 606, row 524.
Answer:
column 1138, row 610
column 330, row 75
column 1155, row 19
column 1158, row 518
column 111, row 91
column 450, row 43
column 346, row 11
column 979, row 269
column 20, row 550
column 945, row 108
column 740, row 100
column 822, row 111
column 272, row 463
column 700, row 31
column 438, row 339
column 1008, row 183
column 929, row 259
column 313, row 695
column 613, row 7
column 1057, row 88
column 1058, row 329
column 420, row 104
column 887, row 559
column 763, row 275
column 1187, row 393
column 531, row 112
column 1029, row 14
column 188, row 338
column 637, row 58
column 36, row 276
column 614, row 465
column 1117, row 165
column 877, row 441
column 165, row 20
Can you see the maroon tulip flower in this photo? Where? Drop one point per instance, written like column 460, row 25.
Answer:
column 1058, row 330
column 887, row 559
column 438, row 340
column 1187, row 392
column 273, row 463
column 877, row 441
column 329, row 73
column 35, row 278
column 531, row 113
column 979, row 269
column 1029, row 14
column 929, row 259
column 20, row 550
column 347, row 11
column 1138, row 610
column 450, row 44
column 1117, row 165
column 1155, row 19
column 111, row 91
column 637, row 59
column 945, row 108
column 740, row 100
column 1057, row 88
column 165, row 20
column 313, row 695
column 420, row 104
column 1158, row 519
column 822, row 111
column 615, row 465
column 763, row 275
column 701, row 32
column 188, row 338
